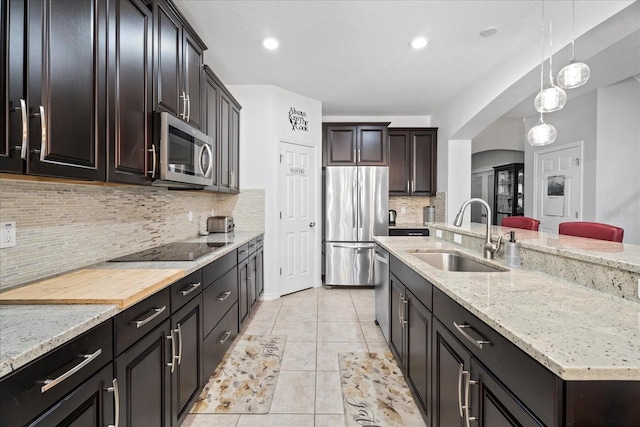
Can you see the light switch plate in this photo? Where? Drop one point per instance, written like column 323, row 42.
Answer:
column 439, row 234
column 8, row 234
column 457, row 238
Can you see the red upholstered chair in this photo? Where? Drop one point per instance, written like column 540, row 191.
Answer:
column 592, row 230
column 521, row 222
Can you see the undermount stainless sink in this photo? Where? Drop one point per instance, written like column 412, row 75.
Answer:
column 451, row 261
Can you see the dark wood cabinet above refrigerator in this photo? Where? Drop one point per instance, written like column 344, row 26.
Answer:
column 355, row 144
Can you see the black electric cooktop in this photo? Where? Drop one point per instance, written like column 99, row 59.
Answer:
column 172, row 252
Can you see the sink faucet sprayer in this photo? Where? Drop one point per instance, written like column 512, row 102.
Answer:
column 490, row 248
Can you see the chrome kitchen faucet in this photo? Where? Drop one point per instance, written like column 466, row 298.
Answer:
column 490, row 248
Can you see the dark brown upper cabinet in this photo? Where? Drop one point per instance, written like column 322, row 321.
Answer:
column 412, row 161
column 55, row 88
column 129, row 91
column 351, row 144
column 178, row 67
column 222, row 123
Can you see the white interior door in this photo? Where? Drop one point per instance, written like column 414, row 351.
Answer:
column 298, row 235
column 557, row 190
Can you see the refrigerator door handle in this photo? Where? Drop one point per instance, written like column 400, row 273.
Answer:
column 353, row 246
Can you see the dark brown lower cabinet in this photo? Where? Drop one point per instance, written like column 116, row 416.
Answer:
column 259, row 271
column 186, row 378
column 89, row 405
column 451, row 362
column 143, row 372
column 411, row 341
column 219, row 340
column 243, row 292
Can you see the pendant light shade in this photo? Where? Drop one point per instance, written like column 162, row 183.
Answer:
column 542, row 134
column 576, row 73
column 551, row 99
column 573, row 75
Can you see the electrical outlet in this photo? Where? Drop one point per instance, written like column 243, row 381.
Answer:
column 439, row 234
column 212, row 213
column 8, row 234
column 402, row 209
column 457, row 238
column 638, row 288
column 190, row 216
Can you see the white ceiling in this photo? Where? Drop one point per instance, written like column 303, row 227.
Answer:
column 354, row 56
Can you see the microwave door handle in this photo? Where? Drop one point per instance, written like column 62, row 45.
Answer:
column 206, row 147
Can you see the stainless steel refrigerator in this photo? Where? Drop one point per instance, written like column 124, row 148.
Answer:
column 356, row 209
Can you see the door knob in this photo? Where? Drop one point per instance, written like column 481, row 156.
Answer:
column 312, row 224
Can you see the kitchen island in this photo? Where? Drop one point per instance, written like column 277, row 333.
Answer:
column 562, row 340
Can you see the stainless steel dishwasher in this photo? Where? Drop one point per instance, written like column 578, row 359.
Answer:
column 381, row 286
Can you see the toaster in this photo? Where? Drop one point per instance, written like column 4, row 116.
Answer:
column 220, row 224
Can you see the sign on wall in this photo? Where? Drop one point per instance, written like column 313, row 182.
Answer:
column 298, row 119
column 297, row 171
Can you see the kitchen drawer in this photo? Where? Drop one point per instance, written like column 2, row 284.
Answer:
column 534, row 385
column 260, row 241
column 253, row 246
column 219, row 340
column 135, row 322
column 219, row 297
column 21, row 395
column 217, row 268
column 185, row 289
column 243, row 252
column 417, row 284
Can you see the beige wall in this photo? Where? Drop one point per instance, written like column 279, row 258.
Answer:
column 64, row 226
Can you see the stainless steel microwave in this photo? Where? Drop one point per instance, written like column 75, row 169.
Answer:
column 186, row 155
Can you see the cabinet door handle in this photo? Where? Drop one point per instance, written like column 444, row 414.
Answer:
column 405, row 320
column 43, row 133
column 467, row 406
column 192, row 287
column 25, row 128
column 224, row 337
column 156, row 313
column 460, row 371
column 477, row 343
column 154, row 161
column 223, row 296
column 188, row 115
column 88, row 358
column 179, row 332
column 355, row 158
column 184, row 106
column 409, row 186
column 359, row 159
column 116, row 402
column 400, row 311
column 172, row 364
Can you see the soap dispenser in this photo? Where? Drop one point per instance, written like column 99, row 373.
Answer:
column 512, row 251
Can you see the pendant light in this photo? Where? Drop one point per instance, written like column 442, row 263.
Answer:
column 551, row 98
column 542, row 133
column 576, row 73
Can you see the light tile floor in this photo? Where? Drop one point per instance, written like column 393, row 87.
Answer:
column 319, row 323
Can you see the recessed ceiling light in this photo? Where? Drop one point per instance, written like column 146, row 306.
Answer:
column 419, row 42
column 270, row 43
column 489, row 31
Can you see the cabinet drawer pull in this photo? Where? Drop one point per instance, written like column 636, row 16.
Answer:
column 242, row 252
column 223, row 296
column 88, row 358
column 225, row 337
column 116, row 402
column 414, row 234
column 477, row 343
column 156, row 313
column 192, row 287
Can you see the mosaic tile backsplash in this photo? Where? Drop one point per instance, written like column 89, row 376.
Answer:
column 65, row 226
column 413, row 208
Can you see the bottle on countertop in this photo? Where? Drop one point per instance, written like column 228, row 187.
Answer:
column 512, row 251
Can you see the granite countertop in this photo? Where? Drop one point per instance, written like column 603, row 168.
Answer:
column 578, row 333
column 30, row 331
